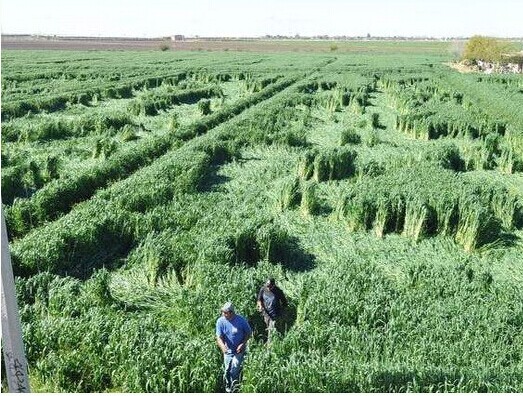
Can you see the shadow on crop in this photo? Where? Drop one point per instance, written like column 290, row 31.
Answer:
column 283, row 323
column 274, row 245
column 506, row 240
column 108, row 257
column 292, row 256
column 212, row 180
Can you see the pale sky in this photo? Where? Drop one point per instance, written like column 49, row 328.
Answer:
column 154, row 18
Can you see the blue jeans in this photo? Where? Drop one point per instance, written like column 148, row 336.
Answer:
column 233, row 366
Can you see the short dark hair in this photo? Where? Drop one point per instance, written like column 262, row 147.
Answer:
column 270, row 282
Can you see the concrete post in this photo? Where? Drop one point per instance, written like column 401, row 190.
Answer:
column 14, row 356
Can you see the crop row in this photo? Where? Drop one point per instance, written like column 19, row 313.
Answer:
column 400, row 205
column 96, row 133
column 151, row 104
column 101, row 226
column 498, row 103
column 58, row 81
column 116, row 210
column 428, row 109
column 383, row 162
column 51, row 127
column 86, row 93
column 58, row 102
column 21, row 177
column 57, row 197
column 425, row 201
column 19, row 180
column 505, row 80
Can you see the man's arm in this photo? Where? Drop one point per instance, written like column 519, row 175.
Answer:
column 248, row 333
column 243, row 344
column 219, row 337
column 221, row 344
column 259, row 301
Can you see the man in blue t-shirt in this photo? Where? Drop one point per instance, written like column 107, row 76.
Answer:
column 232, row 333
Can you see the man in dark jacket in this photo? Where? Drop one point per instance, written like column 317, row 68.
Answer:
column 271, row 302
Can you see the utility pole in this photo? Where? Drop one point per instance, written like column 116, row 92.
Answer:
column 14, row 356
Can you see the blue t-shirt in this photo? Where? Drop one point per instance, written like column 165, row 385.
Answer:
column 232, row 332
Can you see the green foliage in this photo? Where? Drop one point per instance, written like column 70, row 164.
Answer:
column 334, row 164
column 165, row 46
column 204, row 106
column 289, row 194
column 446, row 155
column 395, row 236
column 309, row 204
column 128, row 134
column 420, row 202
column 49, row 128
column 485, row 48
column 349, row 136
column 149, row 104
column 375, row 120
column 372, row 138
column 103, row 148
column 173, row 123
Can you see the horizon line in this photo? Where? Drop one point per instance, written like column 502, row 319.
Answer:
column 266, row 36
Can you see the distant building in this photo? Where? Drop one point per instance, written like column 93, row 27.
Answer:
column 178, row 37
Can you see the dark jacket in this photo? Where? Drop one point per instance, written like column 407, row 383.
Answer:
column 273, row 301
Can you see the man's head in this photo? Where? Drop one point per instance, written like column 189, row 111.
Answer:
column 270, row 283
column 228, row 310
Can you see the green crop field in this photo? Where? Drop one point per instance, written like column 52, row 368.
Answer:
column 382, row 189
